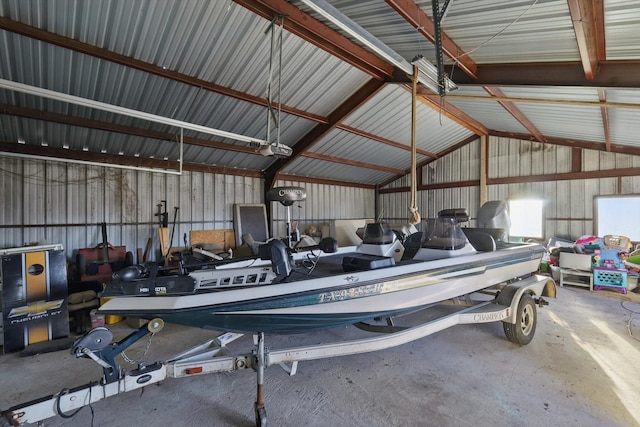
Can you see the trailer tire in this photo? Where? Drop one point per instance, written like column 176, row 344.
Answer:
column 524, row 329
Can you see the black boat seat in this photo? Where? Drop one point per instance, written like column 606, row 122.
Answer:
column 286, row 195
column 482, row 242
column 457, row 214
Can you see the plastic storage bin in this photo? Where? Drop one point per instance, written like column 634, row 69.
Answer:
column 607, row 277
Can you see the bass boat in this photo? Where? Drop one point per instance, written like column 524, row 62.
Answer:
column 285, row 290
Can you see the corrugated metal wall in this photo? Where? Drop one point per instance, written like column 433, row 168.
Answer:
column 569, row 203
column 64, row 203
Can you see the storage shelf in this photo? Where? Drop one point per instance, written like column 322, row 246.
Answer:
column 570, row 276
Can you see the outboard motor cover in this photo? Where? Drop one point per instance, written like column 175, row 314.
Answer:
column 494, row 214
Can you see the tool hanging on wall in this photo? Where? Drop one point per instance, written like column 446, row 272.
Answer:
column 173, row 230
column 163, row 217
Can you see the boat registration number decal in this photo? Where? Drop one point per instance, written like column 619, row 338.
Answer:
column 356, row 292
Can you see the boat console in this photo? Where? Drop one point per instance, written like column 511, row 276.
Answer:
column 380, row 240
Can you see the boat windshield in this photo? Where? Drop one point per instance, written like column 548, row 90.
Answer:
column 378, row 233
column 444, row 233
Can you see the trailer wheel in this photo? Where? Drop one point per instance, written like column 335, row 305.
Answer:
column 523, row 330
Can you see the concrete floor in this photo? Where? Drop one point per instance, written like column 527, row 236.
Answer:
column 582, row 369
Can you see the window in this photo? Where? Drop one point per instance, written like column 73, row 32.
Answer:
column 617, row 215
column 527, row 218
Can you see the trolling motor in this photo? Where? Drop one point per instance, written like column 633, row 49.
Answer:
column 286, row 196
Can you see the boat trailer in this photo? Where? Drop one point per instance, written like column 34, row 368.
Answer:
column 514, row 304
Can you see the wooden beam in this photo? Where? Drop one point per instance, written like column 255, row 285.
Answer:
column 602, row 96
column 611, row 74
column 515, row 112
column 587, row 17
column 441, row 105
column 412, row 13
column 484, row 169
column 318, row 34
column 422, row 187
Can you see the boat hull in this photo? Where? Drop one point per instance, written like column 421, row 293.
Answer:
column 327, row 302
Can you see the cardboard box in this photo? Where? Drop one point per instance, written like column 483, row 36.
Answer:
column 575, row 261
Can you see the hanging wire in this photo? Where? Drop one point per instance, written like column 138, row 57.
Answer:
column 467, row 53
column 276, row 43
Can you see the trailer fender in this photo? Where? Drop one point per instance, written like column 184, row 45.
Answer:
column 536, row 285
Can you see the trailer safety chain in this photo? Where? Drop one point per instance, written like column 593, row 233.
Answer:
column 144, row 353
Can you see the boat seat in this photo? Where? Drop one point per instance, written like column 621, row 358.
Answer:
column 482, row 242
column 457, row 214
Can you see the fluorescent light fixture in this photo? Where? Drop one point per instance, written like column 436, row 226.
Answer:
column 85, row 162
column 376, row 46
column 71, row 99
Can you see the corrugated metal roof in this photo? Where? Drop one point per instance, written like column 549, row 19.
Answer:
column 225, row 43
column 489, row 113
column 388, row 114
column 621, row 23
column 322, row 169
column 347, row 145
column 557, row 120
column 486, row 30
column 624, row 127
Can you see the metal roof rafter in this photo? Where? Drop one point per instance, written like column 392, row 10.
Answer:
column 515, row 112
